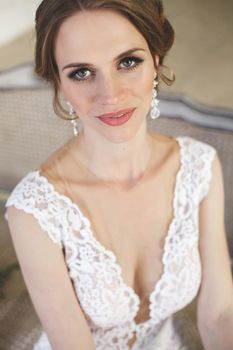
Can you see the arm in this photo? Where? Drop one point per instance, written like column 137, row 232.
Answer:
column 215, row 299
column 46, row 277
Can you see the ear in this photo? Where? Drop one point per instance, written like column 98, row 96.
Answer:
column 156, row 65
column 157, row 60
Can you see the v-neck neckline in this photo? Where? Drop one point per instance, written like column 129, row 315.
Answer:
column 113, row 256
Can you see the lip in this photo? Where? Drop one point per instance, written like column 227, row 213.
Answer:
column 116, row 114
column 117, row 118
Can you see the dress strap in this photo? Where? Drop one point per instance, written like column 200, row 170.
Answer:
column 34, row 195
column 198, row 157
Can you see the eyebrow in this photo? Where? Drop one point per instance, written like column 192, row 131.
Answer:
column 85, row 64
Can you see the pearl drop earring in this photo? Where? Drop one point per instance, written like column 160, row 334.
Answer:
column 72, row 120
column 154, row 112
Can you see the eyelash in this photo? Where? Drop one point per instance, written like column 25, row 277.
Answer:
column 74, row 75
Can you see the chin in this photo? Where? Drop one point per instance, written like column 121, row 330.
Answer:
column 119, row 135
column 127, row 132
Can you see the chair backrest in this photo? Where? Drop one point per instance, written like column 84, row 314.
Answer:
column 30, row 131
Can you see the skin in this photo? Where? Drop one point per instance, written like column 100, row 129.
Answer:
column 119, row 155
column 121, row 151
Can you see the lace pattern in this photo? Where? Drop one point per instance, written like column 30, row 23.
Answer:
column 110, row 306
column 34, row 196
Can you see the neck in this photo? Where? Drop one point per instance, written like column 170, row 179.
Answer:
column 116, row 162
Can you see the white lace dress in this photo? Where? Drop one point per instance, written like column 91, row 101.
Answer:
column 109, row 305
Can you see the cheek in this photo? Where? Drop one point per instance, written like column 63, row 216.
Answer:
column 147, row 80
column 73, row 93
column 144, row 91
column 145, row 88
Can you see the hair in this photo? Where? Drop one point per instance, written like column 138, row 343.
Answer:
column 147, row 16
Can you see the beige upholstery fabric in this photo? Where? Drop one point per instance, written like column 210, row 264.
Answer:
column 30, row 131
column 19, row 327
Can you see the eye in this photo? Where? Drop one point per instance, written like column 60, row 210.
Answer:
column 130, row 62
column 80, row 74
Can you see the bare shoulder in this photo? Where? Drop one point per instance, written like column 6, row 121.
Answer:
column 55, row 158
column 166, row 148
column 163, row 140
column 58, row 165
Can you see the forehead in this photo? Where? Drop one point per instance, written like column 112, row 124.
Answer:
column 97, row 32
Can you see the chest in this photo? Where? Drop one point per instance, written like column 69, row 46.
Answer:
column 133, row 226
column 138, row 244
column 129, row 262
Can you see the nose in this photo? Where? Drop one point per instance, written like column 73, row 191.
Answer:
column 110, row 90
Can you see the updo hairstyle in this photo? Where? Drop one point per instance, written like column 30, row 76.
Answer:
column 147, row 16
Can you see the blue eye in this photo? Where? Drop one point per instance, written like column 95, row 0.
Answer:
column 86, row 74
column 80, row 74
column 131, row 62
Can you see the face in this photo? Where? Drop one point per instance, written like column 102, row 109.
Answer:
column 105, row 66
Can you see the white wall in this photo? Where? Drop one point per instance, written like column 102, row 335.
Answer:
column 16, row 18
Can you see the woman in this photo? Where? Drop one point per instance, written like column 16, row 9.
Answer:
column 132, row 213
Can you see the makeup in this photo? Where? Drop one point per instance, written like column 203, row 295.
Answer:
column 117, row 118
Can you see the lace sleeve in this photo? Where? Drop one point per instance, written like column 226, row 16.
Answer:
column 34, row 196
column 207, row 155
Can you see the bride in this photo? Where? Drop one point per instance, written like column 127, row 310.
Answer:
column 121, row 227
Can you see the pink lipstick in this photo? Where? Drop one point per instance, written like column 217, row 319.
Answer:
column 117, row 118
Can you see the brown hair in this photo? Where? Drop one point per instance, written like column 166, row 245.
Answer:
column 147, row 16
